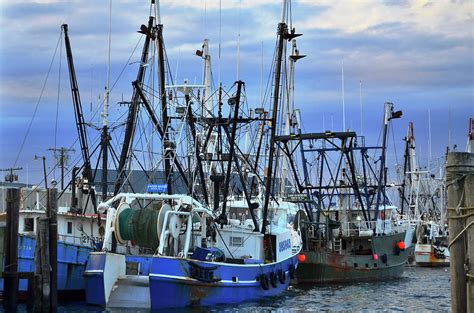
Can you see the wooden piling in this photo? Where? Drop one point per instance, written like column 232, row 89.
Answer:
column 469, row 210
column 52, row 209
column 10, row 292
column 459, row 173
column 42, row 262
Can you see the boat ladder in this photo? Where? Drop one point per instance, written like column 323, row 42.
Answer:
column 337, row 245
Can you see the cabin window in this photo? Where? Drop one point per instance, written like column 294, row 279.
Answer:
column 29, row 224
column 237, row 241
column 69, row 227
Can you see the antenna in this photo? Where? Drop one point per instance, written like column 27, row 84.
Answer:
column 429, row 137
column 261, row 78
column 157, row 10
column 238, row 43
column 283, row 12
column 449, row 127
column 219, row 52
column 361, row 112
column 343, row 102
column 107, row 91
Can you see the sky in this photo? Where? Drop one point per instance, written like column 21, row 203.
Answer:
column 417, row 54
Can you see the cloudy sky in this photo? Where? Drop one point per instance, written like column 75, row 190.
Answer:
column 417, row 54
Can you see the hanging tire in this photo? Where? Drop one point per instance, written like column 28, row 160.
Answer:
column 291, row 271
column 273, row 279
column 281, row 276
column 264, row 281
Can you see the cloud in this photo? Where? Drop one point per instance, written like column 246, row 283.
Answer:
column 419, row 54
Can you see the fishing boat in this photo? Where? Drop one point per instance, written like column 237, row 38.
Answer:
column 423, row 204
column 349, row 227
column 241, row 248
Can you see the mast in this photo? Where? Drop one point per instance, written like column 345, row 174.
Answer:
column 206, row 99
column 388, row 115
column 105, row 138
column 149, row 32
column 409, row 163
column 80, row 123
column 167, row 144
column 282, row 35
column 295, row 56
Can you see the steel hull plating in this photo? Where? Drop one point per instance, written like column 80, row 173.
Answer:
column 172, row 283
column 326, row 267
column 72, row 261
column 425, row 255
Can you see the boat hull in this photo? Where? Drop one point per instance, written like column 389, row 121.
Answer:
column 322, row 266
column 72, row 261
column 173, row 282
column 427, row 256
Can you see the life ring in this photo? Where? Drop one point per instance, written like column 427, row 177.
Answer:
column 264, row 281
column 291, row 271
column 273, row 279
column 281, row 276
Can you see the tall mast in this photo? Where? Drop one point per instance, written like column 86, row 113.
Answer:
column 149, row 32
column 295, row 55
column 105, row 138
column 388, row 115
column 168, row 146
column 282, row 35
column 207, row 101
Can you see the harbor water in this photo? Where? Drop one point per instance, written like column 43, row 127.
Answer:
column 418, row 290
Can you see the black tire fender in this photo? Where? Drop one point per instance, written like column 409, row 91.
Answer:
column 273, row 279
column 281, row 276
column 291, row 271
column 264, row 281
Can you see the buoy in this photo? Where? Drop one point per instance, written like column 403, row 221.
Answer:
column 301, row 258
column 401, row 245
column 376, row 256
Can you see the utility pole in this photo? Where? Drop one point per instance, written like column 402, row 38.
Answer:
column 61, row 155
column 11, row 177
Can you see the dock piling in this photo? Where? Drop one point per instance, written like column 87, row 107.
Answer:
column 460, row 189
column 11, row 248
column 52, row 208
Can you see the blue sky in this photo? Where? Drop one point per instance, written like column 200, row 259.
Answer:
column 417, row 54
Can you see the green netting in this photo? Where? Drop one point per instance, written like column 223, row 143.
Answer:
column 139, row 226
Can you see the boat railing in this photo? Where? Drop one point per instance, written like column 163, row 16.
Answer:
column 364, row 228
column 77, row 240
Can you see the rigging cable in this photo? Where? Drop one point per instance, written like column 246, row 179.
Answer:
column 57, row 99
column 38, row 102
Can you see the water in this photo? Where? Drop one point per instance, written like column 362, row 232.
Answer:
column 418, row 290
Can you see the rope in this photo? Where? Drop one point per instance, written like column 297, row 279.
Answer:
column 460, row 233
column 38, row 102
